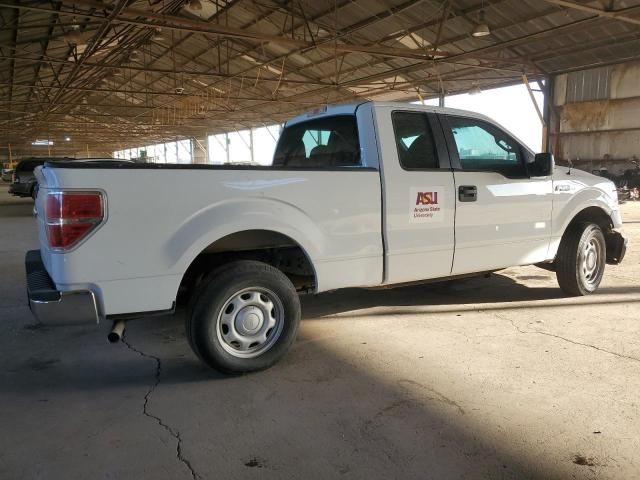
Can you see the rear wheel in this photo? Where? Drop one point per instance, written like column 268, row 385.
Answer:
column 581, row 259
column 243, row 317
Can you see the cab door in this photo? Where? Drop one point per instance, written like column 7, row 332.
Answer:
column 503, row 216
column 418, row 195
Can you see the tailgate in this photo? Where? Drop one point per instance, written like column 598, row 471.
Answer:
column 38, row 211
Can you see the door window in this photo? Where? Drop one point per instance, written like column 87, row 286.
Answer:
column 482, row 146
column 414, row 141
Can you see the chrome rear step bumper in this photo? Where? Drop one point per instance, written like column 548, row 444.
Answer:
column 51, row 306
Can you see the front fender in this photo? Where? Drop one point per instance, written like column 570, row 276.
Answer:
column 585, row 198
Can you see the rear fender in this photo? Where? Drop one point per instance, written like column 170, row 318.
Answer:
column 232, row 216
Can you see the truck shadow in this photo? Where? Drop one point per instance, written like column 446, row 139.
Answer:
column 455, row 295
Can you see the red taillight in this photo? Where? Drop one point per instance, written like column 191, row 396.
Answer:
column 70, row 216
column 74, row 205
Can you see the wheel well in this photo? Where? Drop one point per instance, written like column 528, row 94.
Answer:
column 614, row 242
column 595, row 215
column 276, row 249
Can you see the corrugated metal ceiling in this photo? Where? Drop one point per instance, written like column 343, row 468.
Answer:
column 125, row 72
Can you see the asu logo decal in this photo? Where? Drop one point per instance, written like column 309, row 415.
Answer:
column 427, row 198
column 426, row 204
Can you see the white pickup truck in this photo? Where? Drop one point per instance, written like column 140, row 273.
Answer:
column 360, row 195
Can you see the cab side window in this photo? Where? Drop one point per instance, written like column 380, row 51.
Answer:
column 322, row 143
column 484, row 147
column 414, row 141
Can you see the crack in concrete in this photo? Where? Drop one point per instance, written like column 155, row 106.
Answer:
column 145, row 408
column 574, row 342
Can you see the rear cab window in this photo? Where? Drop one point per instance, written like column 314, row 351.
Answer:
column 323, row 143
column 414, row 141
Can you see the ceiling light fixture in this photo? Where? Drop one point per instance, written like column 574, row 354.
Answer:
column 195, row 5
column 482, row 28
column 73, row 36
column 157, row 35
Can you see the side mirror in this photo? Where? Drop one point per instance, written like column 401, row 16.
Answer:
column 542, row 165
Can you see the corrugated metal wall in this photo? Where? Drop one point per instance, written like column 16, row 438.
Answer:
column 596, row 117
column 588, row 85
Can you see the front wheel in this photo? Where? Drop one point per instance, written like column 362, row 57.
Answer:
column 244, row 317
column 581, row 259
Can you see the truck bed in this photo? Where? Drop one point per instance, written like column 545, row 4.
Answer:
column 158, row 222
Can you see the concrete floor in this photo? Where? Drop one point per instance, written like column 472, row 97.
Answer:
column 484, row 378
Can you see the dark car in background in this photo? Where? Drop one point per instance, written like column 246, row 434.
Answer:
column 7, row 174
column 24, row 183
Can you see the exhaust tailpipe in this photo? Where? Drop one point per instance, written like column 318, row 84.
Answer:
column 116, row 332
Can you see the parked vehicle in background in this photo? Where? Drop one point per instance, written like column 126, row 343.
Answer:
column 7, row 174
column 361, row 195
column 23, row 182
column 631, row 177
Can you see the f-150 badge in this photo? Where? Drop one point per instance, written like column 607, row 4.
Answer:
column 563, row 187
column 426, row 204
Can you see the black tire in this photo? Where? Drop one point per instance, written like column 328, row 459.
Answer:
column 271, row 298
column 573, row 260
column 200, row 287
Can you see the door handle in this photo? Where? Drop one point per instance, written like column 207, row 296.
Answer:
column 467, row 193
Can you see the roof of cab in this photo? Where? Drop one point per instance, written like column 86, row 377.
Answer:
column 350, row 109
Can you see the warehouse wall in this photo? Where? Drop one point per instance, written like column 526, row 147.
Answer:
column 596, row 121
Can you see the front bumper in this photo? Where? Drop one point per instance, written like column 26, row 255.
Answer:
column 51, row 306
column 616, row 247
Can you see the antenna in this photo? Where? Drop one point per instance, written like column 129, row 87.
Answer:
column 570, row 164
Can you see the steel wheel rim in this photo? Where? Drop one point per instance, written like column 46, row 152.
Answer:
column 250, row 322
column 592, row 261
